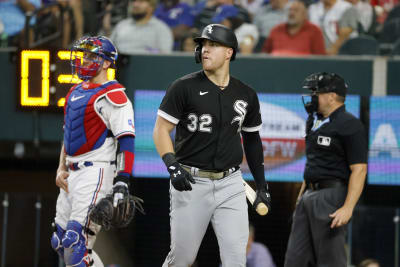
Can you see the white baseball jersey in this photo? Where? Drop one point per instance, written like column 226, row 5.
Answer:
column 329, row 20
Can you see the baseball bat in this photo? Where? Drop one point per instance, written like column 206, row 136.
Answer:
column 261, row 208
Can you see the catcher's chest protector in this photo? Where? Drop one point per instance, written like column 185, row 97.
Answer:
column 84, row 130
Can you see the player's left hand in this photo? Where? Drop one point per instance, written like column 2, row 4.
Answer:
column 341, row 216
column 263, row 195
column 120, row 189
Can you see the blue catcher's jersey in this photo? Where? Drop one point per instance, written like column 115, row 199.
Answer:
column 84, row 130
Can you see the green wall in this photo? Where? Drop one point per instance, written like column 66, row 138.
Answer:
column 277, row 75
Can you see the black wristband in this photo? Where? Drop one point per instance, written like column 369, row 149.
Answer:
column 169, row 159
column 254, row 153
column 259, row 178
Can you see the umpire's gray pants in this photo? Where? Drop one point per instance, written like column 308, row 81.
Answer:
column 312, row 242
column 223, row 202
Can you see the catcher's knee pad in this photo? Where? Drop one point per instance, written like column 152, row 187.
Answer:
column 56, row 239
column 75, row 251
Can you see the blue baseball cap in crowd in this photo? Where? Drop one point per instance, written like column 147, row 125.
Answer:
column 223, row 12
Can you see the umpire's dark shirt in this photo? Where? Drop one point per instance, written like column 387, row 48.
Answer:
column 333, row 144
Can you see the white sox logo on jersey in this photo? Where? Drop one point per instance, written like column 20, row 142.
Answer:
column 240, row 107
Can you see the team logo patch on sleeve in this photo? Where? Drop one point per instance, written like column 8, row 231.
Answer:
column 130, row 122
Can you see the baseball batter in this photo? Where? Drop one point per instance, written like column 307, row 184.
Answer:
column 97, row 116
column 211, row 111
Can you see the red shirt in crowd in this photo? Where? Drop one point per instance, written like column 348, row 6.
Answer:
column 307, row 41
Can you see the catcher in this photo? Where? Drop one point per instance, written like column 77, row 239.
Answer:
column 98, row 117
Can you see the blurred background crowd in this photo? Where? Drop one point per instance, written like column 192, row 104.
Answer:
column 276, row 27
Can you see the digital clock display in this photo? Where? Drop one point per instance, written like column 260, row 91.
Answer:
column 45, row 77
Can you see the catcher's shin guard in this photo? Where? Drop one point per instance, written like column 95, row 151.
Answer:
column 56, row 239
column 75, row 251
column 96, row 259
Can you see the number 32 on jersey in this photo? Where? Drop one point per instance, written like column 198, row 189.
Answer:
column 202, row 123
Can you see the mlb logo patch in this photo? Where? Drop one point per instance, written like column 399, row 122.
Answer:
column 130, row 122
column 324, row 140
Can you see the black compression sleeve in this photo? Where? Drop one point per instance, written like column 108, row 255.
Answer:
column 255, row 158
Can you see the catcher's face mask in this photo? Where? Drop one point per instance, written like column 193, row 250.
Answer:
column 88, row 55
column 86, row 65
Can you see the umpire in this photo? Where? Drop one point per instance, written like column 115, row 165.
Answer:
column 334, row 176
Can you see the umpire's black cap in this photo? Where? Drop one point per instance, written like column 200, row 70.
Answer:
column 323, row 82
column 220, row 34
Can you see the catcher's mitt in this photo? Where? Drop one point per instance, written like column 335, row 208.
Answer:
column 104, row 214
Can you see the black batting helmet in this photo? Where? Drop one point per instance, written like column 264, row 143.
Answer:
column 217, row 33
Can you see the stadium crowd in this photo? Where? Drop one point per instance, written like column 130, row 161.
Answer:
column 276, row 27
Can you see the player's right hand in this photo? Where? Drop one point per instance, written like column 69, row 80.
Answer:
column 61, row 180
column 180, row 178
column 263, row 196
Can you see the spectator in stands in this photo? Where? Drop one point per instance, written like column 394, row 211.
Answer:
column 187, row 43
column 142, row 32
column 70, row 19
column 369, row 263
column 271, row 15
column 297, row 36
column 257, row 254
column 176, row 15
column 77, row 20
column 383, row 8
column 367, row 16
column 208, row 9
column 12, row 14
column 198, row 7
column 252, row 6
column 246, row 33
column 394, row 13
column 390, row 30
column 115, row 11
column 337, row 21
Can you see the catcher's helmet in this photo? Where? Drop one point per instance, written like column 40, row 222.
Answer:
column 323, row 82
column 98, row 45
column 217, row 33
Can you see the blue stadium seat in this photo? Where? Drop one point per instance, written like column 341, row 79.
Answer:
column 362, row 45
column 396, row 48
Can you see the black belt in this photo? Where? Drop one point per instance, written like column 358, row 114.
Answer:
column 213, row 175
column 325, row 184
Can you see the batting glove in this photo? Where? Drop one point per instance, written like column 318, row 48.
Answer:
column 180, row 178
column 263, row 195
